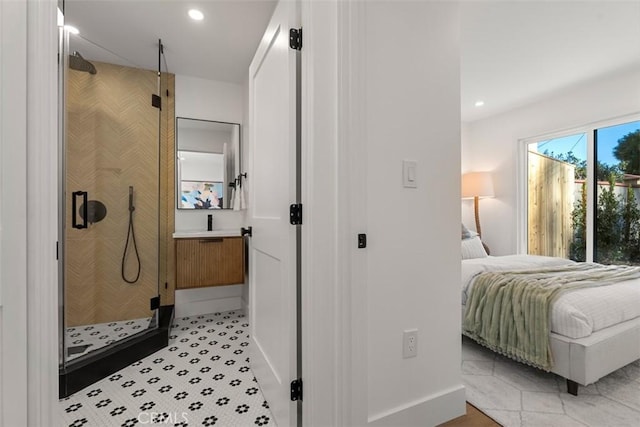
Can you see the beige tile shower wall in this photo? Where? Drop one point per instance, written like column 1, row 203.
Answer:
column 112, row 143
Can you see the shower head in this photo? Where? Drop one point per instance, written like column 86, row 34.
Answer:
column 77, row 62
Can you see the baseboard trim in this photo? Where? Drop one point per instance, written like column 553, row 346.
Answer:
column 429, row 411
column 94, row 368
column 217, row 305
column 245, row 307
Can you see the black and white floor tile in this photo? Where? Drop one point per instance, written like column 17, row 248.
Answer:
column 516, row 395
column 201, row 379
column 87, row 338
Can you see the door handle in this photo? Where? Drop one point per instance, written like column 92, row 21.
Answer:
column 74, row 208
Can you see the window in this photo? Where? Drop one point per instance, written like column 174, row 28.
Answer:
column 583, row 194
column 617, row 213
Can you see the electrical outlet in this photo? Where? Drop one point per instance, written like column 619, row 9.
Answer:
column 410, row 343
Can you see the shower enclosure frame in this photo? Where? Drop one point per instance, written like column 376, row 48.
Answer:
column 63, row 215
column 88, row 368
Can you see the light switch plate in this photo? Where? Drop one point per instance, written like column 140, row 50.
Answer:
column 409, row 174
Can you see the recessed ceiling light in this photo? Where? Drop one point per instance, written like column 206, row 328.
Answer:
column 479, row 103
column 71, row 29
column 196, row 15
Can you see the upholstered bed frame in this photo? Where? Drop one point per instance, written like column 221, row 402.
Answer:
column 586, row 360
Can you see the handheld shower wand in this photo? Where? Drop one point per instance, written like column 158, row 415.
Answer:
column 131, row 233
column 131, row 207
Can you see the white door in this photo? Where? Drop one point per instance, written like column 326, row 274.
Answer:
column 272, row 253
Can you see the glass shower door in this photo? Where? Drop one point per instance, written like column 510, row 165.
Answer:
column 111, row 201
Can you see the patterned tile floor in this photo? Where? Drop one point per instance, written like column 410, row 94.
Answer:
column 518, row 395
column 201, row 379
column 101, row 335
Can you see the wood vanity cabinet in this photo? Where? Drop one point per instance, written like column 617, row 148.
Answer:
column 209, row 261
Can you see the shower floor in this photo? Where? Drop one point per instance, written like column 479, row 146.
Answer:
column 84, row 339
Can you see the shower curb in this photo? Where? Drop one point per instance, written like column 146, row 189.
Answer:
column 89, row 370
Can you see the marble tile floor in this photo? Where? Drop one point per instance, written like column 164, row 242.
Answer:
column 83, row 339
column 201, row 379
column 516, row 395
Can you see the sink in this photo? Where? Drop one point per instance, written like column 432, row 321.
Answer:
column 194, row 234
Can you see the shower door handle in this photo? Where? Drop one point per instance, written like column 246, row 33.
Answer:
column 74, row 208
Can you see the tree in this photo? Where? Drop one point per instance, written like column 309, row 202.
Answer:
column 617, row 227
column 603, row 170
column 608, row 225
column 628, row 152
column 631, row 226
column 569, row 157
column 578, row 248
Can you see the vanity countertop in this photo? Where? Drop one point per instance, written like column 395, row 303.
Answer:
column 195, row 234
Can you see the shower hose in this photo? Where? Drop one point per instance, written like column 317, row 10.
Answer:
column 131, row 235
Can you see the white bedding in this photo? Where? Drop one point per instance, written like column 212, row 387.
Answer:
column 575, row 314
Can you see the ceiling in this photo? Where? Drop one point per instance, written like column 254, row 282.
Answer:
column 512, row 52
column 125, row 32
column 517, row 52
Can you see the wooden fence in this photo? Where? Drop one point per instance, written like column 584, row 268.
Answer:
column 551, row 200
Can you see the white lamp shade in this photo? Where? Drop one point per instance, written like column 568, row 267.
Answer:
column 478, row 184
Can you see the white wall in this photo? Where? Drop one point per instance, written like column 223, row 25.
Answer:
column 491, row 144
column 467, row 207
column 210, row 100
column 28, row 230
column 411, row 111
column 380, row 84
column 13, row 216
column 224, row 102
column 204, row 140
column 42, row 218
column 325, row 295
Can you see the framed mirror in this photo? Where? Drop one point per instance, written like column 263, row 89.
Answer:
column 207, row 163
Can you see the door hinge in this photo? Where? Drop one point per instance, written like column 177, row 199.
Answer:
column 156, row 101
column 296, row 389
column 154, row 303
column 295, row 214
column 295, row 38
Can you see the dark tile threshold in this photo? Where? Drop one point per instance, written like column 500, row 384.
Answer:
column 94, row 368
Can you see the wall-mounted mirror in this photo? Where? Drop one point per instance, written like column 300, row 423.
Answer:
column 207, row 163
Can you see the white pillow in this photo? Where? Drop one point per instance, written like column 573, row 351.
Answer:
column 472, row 248
column 466, row 233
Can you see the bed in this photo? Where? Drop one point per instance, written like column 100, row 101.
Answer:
column 593, row 331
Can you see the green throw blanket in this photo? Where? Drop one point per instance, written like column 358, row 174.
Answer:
column 509, row 312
